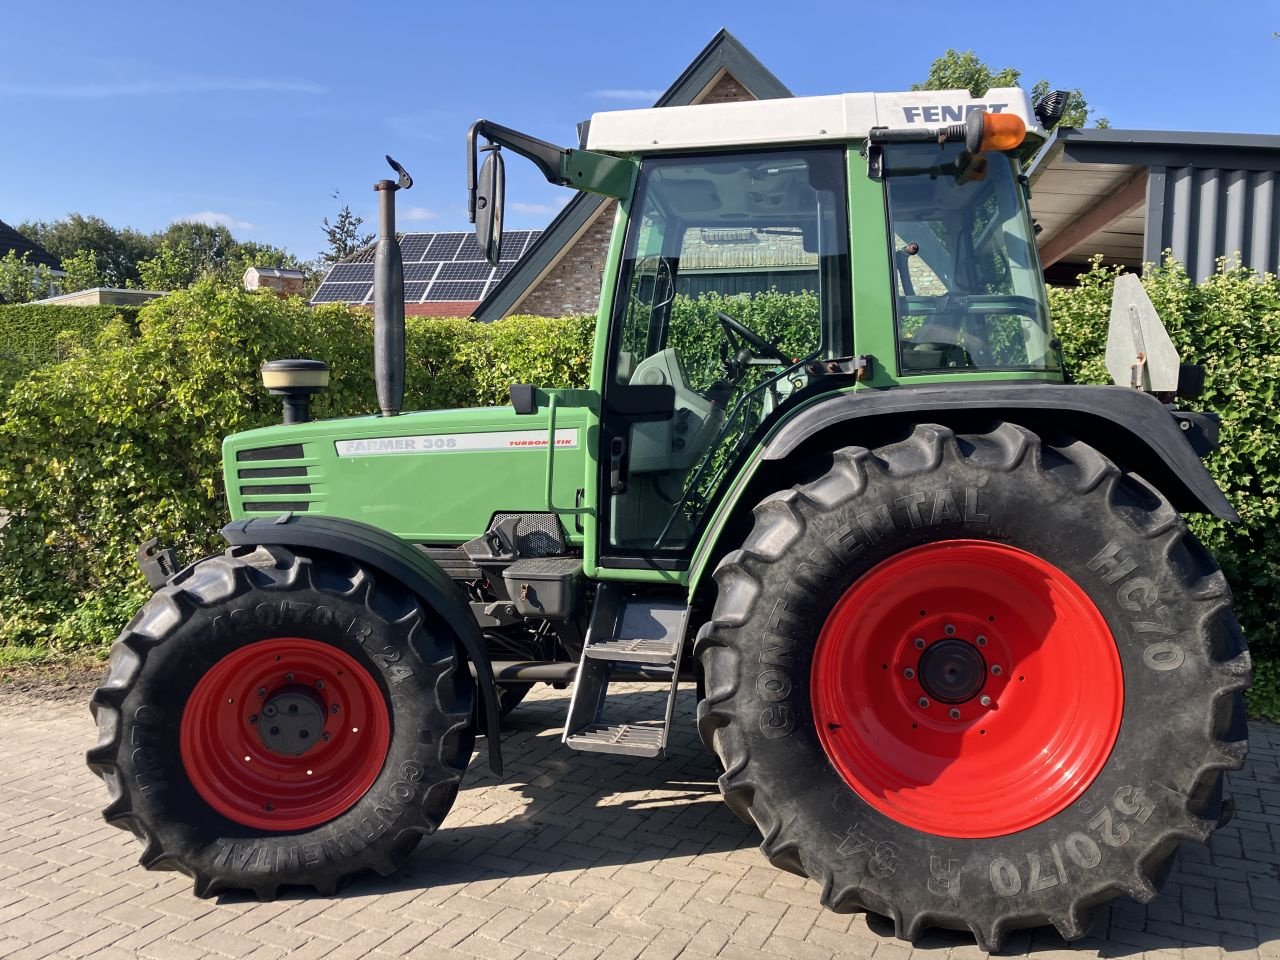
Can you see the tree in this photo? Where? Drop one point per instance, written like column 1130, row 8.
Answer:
column 118, row 252
column 343, row 235
column 22, row 281
column 964, row 71
column 81, row 272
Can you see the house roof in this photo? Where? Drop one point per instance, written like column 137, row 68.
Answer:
column 12, row 240
column 724, row 54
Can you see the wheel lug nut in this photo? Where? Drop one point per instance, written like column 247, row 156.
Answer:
column 908, row 673
column 919, row 641
column 923, row 701
column 288, row 678
column 949, row 630
column 982, row 641
column 274, row 731
column 270, row 710
column 953, row 713
column 324, row 737
column 985, row 701
column 303, row 734
column 996, row 670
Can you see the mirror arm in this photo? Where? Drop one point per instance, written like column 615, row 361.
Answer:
column 581, row 169
column 548, row 158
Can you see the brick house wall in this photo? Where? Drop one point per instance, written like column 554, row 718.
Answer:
column 573, row 284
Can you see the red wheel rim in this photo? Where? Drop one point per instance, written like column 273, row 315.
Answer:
column 997, row 730
column 239, row 738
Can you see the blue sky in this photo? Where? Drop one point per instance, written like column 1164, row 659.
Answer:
column 253, row 114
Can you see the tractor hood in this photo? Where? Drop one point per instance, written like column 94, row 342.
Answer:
column 430, row 477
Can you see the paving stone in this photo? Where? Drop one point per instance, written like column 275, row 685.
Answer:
column 568, row 856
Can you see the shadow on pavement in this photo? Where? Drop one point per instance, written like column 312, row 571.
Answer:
column 558, row 811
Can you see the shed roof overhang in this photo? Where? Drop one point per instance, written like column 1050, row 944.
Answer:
column 1092, row 191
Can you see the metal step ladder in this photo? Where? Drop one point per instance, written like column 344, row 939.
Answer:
column 637, row 635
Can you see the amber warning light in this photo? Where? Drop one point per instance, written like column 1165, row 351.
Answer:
column 1000, row 131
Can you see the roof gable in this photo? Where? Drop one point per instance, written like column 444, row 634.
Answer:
column 724, row 54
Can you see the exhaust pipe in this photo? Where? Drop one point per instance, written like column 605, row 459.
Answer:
column 388, row 298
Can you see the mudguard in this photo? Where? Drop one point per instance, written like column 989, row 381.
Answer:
column 1131, row 427
column 391, row 555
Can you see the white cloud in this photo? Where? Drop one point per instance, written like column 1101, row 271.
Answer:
column 648, row 96
column 167, row 87
column 214, row 219
column 535, row 209
column 418, row 213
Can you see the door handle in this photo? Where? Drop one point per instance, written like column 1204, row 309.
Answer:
column 617, row 479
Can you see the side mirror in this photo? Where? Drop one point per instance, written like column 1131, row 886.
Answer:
column 490, row 189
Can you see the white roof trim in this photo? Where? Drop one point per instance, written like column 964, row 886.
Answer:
column 845, row 116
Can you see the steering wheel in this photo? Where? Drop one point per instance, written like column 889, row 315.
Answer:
column 761, row 346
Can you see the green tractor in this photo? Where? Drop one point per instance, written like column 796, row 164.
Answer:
column 955, row 651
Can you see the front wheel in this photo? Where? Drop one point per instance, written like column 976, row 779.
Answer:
column 1005, row 675
column 272, row 718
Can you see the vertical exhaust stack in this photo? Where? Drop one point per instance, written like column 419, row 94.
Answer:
column 388, row 298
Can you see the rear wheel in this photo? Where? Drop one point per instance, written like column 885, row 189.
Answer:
column 272, row 718
column 1007, row 677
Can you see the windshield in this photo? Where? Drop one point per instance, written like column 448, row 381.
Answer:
column 735, row 271
column 966, row 273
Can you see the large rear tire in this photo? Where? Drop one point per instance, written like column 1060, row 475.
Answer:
column 973, row 681
column 272, row 718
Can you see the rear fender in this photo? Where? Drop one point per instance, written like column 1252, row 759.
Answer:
column 396, row 558
column 1130, row 427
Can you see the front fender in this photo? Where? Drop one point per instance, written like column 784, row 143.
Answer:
column 396, row 558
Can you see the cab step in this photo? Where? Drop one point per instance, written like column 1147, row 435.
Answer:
column 631, row 739
column 630, row 634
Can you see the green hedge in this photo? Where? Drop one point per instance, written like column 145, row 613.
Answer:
column 1231, row 324
column 33, row 335
column 124, row 438
column 33, row 330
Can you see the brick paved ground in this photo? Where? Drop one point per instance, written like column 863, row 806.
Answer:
column 569, row 855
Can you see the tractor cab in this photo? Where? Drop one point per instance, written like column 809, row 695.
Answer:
column 767, row 253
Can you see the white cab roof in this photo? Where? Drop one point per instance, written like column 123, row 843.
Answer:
column 844, row 116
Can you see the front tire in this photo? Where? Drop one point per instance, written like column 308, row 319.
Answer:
column 870, row 612
column 272, row 718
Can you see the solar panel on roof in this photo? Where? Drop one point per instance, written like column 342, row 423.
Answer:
column 351, row 273
column 342, row 293
column 470, row 250
column 464, row 270
column 437, row 266
column 413, row 246
column 420, row 271
column 513, row 244
column 444, row 246
column 455, row 291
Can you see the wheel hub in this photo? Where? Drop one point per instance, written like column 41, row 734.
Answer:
column 967, row 688
column 292, row 721
column 952, row 671
column 285, row 733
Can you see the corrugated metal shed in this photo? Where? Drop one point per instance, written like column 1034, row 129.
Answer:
column 1205, row 213
column 1132, row 194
